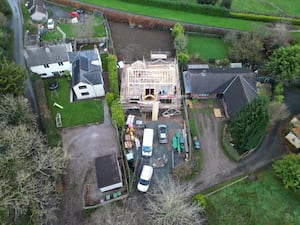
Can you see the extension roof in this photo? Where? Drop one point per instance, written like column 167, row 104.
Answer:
column 86, row 67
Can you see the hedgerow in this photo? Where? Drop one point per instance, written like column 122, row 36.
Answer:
column 185, row 6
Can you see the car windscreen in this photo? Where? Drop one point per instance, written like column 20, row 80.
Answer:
column 144, row 182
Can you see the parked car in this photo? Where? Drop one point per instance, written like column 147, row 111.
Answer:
column 196, row 143
column 80, row 11
column 162, row 133
column 50, row 24
column 74, row 14
column 145, row 178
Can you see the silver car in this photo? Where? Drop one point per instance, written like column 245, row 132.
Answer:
column 162, row 134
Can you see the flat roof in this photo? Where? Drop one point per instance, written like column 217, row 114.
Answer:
column 108, row 170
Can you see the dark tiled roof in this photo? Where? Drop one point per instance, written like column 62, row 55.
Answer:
column 237, row 85
column 83, row 70
column 36, row 56
column 238, row 93
column 107, row 170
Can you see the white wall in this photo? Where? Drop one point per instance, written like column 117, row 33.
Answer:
column 54, row 67
column 93, row 90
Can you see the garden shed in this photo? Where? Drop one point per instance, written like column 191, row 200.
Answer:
column 108, row 173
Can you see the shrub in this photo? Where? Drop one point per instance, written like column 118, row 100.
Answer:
column 200, row 200
column 226, row 4
column 117, row 114
column 109, row 97
column 207, row 2
column 113, row 74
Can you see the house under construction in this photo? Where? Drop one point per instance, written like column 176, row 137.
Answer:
column 151, row 85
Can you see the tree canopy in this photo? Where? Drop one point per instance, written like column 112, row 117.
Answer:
column 245, row 48
column 28, row 167
column 288, row 169
column 284, row 64
column 249, row 125
column 12, row 77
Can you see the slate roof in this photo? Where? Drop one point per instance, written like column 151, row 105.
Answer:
column 36, row 56
column 83, row 70
column 237, row 85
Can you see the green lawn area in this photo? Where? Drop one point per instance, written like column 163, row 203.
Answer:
column 261, row 202
column 274, row 7
column 179, row 16
column 76, row 113
column 207, row 47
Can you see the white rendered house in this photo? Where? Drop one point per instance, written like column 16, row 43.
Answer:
column 87, row 81
column 50, row 60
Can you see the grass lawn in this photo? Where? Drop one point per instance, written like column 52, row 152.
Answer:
column 76, row 113
column 260, row 202
column 274, row 7
column 207, row 47
column 179, row 16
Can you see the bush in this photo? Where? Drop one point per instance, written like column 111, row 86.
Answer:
column 200, row 200
column 113, row 74
column 109, row 97
column 117, row 114
column 288, row 169
column 226, row 4
column 207, row 2
column 185, row 6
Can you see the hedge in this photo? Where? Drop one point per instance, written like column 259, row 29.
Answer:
column 264, row 18
column 184, row 6
column 113, row 74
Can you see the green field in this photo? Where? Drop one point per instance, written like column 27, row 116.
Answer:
column 272, row 7
column 72, row 113
column 207, row 47
column 180, row 16
column 261, row 202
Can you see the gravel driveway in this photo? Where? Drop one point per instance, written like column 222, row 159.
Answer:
column 215, row 164
column 84, row 144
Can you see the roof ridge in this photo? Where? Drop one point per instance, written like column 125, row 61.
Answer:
column 243, row 82
column 229, row 85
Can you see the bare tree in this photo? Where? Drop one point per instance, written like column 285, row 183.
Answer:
column 115, row 214
column 170, row 203
column 278, row 111
column 28, row 167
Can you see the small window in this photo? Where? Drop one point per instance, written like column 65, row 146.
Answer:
column 61, row 63
column 82, row 87
column 84, row 93
column 43, row 74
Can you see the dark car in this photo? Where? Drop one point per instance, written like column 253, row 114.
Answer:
column 80, row 11
column 52, row 85
column 162, row 133
column 196, row 143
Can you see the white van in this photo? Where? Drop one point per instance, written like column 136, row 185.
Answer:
column 50, row 24
column 147, row 146
column 145, row 178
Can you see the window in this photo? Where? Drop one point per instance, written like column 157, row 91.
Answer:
column 84, row 93
column 149, row 91
column 46, row 65
column 43, row 74
column 60, row 63
column 82, row 87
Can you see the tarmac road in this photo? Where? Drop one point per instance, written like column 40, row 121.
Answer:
column 16, row 24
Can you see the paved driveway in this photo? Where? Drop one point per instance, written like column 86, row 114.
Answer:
column 84, row 144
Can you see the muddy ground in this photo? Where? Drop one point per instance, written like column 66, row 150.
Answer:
column 133, row 43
